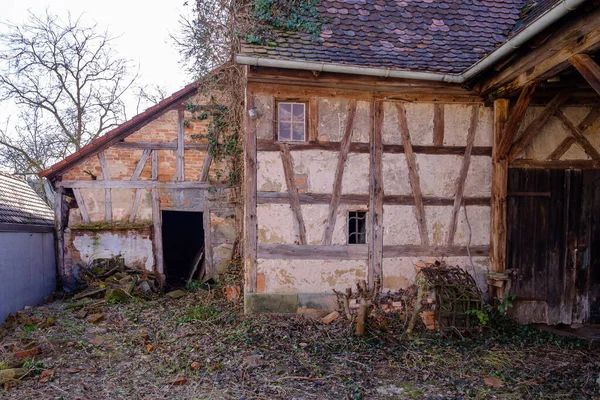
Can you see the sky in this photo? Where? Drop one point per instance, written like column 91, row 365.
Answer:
column 142, row 30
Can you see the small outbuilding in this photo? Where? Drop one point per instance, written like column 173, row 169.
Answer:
column 27, row 260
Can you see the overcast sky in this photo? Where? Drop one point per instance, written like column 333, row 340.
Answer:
column 142, row 29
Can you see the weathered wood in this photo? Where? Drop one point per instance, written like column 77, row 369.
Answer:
column 81, row 204
column 271, row 145
column 290, row 180
column 313, row 119
column 208, row 258
column 516, row 118
column 206, row 167
column 360, row 252
column 154, row 165
column 140, row 166
column 107, row 192
column 376, row 192
column 555, row 164
column 561, row 149
column 104, row 166
column 536, row 125
column 179, row 154
column 138, row 192
column 363, row 199
column 499, row 191
column 413, row 175
column 137, row 185
column 339, row 174
column 578, row 135
column 464, row 171
column 588, row 68
column 59, row 225
column 250, row 228
column 160, row 146
column 438, row 124
column 135, row 205
column 157, row 233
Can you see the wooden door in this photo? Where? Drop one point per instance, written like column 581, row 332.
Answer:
column 553, row 239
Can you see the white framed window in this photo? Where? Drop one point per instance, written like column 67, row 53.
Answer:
column 357, row 227
column 291, row 122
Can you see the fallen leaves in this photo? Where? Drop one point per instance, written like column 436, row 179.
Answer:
column 494, row 382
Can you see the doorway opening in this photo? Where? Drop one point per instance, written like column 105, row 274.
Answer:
column 183, row 246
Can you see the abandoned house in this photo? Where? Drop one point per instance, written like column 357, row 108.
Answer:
column 460, row 130
column 27, row 261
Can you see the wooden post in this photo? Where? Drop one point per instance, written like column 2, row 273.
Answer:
column 179, row 156
column 157, row 233
column 438, row 125
column 499, row 191
column 376, row 196
column 250, row 228
column 107, row 192
column 59, row 212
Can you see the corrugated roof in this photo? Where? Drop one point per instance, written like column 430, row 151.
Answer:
column 417, row 35
column 20, row 204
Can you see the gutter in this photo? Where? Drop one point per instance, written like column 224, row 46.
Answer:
column 561, row 9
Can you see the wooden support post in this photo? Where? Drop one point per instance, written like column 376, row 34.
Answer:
column 588, row 68
column 80, row 203
column 313, row 119
column 60, row 210
column 154, row 165
column 208, row 253
column 250, row 228
column 438, row 125
column 107, row 192
column 339, row 174
column 464, row 171
column 376, row 195
column 290, row 180
column 179, row 156
column 499, row 191
column 514, row 122
column 413, row 175
column 138, row 192
column 157, row 233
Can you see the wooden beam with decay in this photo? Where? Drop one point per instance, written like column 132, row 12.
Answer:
column 413, row 175
column 60, row 215
column 589, row 149
column 555, row 164
column 588, row 68
column 566, row 144
column 515, row 120
column 159, row 146
column 179, row 154
column 376, row 195
column 313, row 119
column 107, row 191
column 154, row 165
column 250, row 175
column 138, row 192
column 157, row 233
column 339, row 174
column 464, row 171
column 438, row 124
column 290, row 180
column 91, row 184
column 363, row 199
column 81, row 204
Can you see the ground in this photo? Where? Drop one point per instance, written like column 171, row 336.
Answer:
column 201, row 347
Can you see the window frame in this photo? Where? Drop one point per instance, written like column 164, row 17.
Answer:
column 276, row 122
column 356, row 233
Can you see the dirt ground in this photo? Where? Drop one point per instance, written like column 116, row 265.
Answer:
column 200, row 347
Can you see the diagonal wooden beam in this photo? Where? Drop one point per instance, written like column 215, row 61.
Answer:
column 578, row 135
column 84, row 215
column 107, row 192
column 515, row 119
column 134, row 177
column 464, row 171
column 288, row 169
column 588, row 68
column 339, row 173
column 413, row 175
column 566, row 144
column 536, row 125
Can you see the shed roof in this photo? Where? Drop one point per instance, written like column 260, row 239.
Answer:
column 446, row 36
column 20, row 204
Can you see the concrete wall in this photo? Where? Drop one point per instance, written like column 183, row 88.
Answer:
column 27, row 270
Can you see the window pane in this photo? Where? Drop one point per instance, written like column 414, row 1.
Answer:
column 284, row 131
column 299, row 113
column 285, row 112
column 298, row 131
column 357, row 227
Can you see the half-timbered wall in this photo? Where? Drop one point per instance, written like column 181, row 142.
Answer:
column 416, row 167
column 119, row 194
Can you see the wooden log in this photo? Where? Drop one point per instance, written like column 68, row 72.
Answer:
column 536, row 125
column 157, row 233
column 81, row 204
column 376, row 193
column 499, row 191
column 339, row 174
column 464, row 171
column 290, row 180
column 578, row 135
column 413, row 175
column 438, row 124
column 588, row 68
column 137, row 185
column 179, row 155
column 250, row 228
column 516, row 118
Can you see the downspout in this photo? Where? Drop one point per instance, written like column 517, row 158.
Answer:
column 549, row 18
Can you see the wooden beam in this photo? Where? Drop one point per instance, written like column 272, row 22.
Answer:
column 290, row 180
column 588, row 68
column 536, row 125
column 206, row 167
column 515, row 120
column 140, row 166
column 157, row 233
column 60, row 211
column 104, row 166
column 271, row 145
column 208, row 253
column 107, row 191
column 339, row 174
column 313, row 119
column 137, row 198
column 135, row 176
column 587, row 122
column 578, row 135
column 137, row 185
column 363, row 199
column 555, row 164
column 360, row 252
column 413, row 175
column 154, row 165
column 179, row 155
column 376, row 194
column 80, row 203
column 160, row 146
column 499, row 191
column 438, row 124
column 250, row 228
column 464, row 171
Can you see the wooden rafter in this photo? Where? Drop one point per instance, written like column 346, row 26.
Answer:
column 413, row 175
column 288, row 169
column 515, row 119
column 536, row 125
column 579, row 138
column 464, row 171
column 339, row 174
column 588, row 68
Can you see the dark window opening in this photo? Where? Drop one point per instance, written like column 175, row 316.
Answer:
column 357, row 227
column 183, row 245
column 291, row 122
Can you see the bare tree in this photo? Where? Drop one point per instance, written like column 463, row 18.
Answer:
column 149, row 95
column 67, row 84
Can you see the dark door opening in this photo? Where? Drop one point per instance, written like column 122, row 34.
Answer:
column 183, row 242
